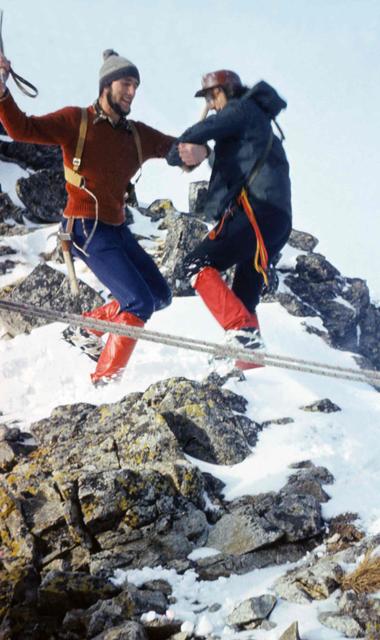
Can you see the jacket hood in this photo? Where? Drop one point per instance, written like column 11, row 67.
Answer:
column 267, row 98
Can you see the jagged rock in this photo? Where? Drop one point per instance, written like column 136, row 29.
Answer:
column 280, row 421
column 6, row 251
column 315, row 268
column 162, row 628
column 342, row 623
column 342, row 532
column 351, row 320
column 295, row 306
column 125, row 631
column 6, row 266
column 308, row 481
column 253, row 610
column 322, row 406
column 31, row 156
column 132, row 602
column 7, row 456
column 242, row 530
column 9, row 211
column 369, row 343
column 61, row 591
column 11, row 229
column 303, row 241
column 259, row 521
column 159, row 209
column 184, row 234
column 44, row 194
column 291, row 633
column 316, row 582
column 125, row 472
column 221, row 565
column 197, row 199
column 364, row 608
column 203, row 419
column 45, row 286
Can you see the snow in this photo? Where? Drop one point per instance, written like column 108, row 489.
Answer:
column 345, row 442
column 334, row 194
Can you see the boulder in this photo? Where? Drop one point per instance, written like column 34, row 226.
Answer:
column 203, row 419
column 45, row 286
column 184, row 234
column 31, row 156
column 251, row 612
column 44, row 194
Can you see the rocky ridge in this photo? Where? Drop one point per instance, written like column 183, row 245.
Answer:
column 109, row 487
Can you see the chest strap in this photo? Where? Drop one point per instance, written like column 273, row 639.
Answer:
column 71, row 175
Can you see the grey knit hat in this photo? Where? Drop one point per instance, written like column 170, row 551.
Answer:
column 115, row 67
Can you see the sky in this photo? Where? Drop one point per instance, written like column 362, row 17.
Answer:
column 322, row 57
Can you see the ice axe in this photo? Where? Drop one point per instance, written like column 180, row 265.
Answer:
column 24, row 86
column 66, row 240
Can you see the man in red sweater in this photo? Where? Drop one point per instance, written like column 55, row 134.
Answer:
column 109, row 160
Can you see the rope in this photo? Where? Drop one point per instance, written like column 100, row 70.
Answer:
column 212, row 348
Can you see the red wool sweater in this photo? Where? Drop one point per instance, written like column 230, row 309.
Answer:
column 109, row 158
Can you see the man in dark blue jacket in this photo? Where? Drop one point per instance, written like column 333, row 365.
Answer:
column 248, row 194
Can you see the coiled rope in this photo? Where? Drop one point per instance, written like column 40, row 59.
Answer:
column 212, row 348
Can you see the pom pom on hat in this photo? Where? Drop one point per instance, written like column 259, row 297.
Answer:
column 115, row 67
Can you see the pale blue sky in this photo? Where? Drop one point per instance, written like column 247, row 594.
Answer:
column 323, row 57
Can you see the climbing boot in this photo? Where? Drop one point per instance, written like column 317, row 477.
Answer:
column 117, row 351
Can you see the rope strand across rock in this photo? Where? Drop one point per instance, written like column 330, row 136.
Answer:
column 272, row 360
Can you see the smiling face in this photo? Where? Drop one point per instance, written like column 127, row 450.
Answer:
column 123, row 91
column 116, row 99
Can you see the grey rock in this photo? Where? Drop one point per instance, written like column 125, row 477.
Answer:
column 162, row 628
column 9, row 211
column 241, row 531
column 316, row 582
column 43, row 194
column 295, row 306
column 252, row 610
column 364, row 608
column 159, row 209
column 6, row 266
column 225, row 565
column 6, row 251
column 308, row 481
column 291, row 633
column 31, row 156
column 303, row 241
column 184, row 233
column 297, row 516
column 203, row 420
column 322, row 406
column 61, row 591
column 342, row 623
column 315, row 268
column 126, row 631
column 7, row 456
column 197, row 198
column 45, row 286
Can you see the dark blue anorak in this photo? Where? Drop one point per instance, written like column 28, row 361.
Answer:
column 241, row 131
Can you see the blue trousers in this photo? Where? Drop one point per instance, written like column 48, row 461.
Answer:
column 122, row 265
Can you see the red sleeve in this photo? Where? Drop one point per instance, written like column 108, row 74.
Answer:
column 154, row 143
column 53, row 128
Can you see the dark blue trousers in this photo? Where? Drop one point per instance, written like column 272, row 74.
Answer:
column 235, row 244
column 122, row 265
